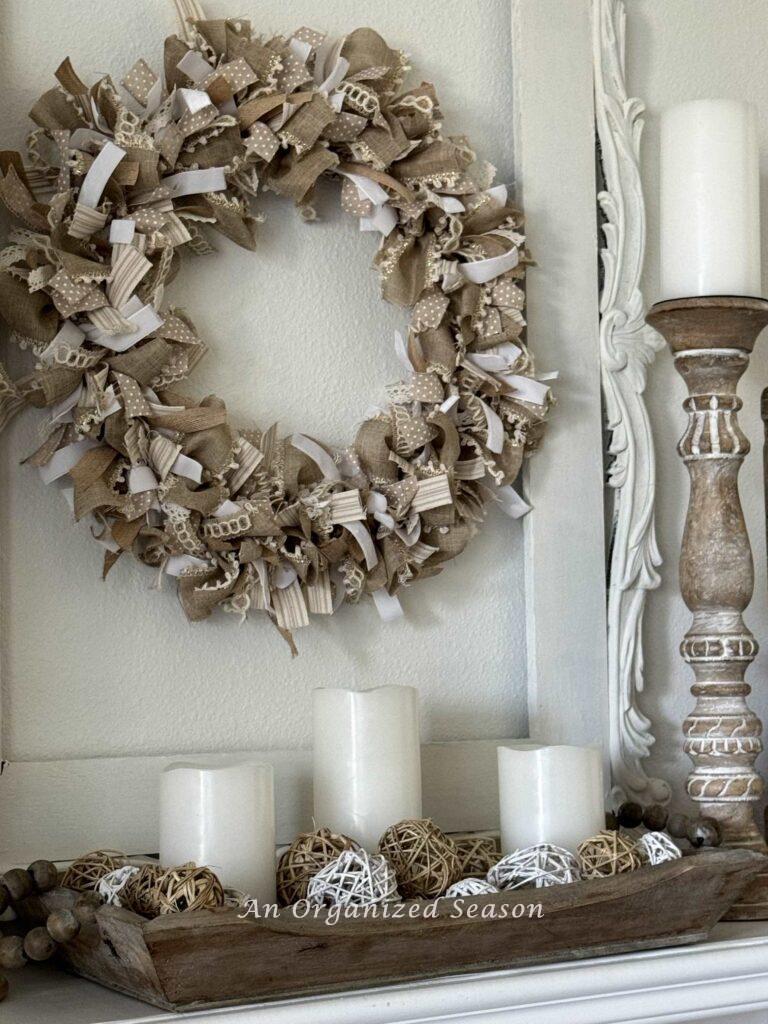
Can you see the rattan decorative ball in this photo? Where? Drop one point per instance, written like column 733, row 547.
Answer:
column 111, row 886
column 541, row 865
column 657, row 847
column 354, row 879
column 308, row 853
column 85, row 873
column 189, row 888
column 477, row 855
column 470, row 887
column 141, row 893
column 425, row 860
column 608, row 853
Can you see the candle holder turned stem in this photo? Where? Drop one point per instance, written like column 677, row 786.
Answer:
column 711, row 339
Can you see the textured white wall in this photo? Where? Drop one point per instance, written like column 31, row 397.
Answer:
column 298, row 333
column 678, row 51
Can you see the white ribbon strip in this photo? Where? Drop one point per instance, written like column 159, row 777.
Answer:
column 226, row 508
column 140, row 479
column 145, row 319
column 495, row 441
column 69, row 336
column 299, row 49
column 377, row 506
column 387, row 605
column 383, row 219
column 482, row 271
column 283, row 576
column 190, row 101
column 121, row 232
column 498, row 194
column 177, row 565
column 99, row 174
column 527, row 388
column 65, row 459
column 62, row 411
column 319, row 456
column 191, row 469
column 363, row 538
column 495, row 359
column 189, row 183
column 509, row 500
column 195, row 66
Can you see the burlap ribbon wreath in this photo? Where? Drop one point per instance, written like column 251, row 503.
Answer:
column 115, row 187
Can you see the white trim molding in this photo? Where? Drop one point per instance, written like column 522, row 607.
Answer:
column 627, row 346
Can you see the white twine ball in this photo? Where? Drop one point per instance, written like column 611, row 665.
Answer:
column 540, row 865
column 111, row 885
column 658, row 847
column 470, row 887
column 354, row 879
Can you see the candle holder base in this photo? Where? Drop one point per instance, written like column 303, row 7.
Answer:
column 711, row 338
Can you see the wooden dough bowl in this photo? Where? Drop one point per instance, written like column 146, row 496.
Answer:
column 218, row 958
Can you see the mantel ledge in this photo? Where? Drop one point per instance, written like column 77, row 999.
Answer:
column 725, row 976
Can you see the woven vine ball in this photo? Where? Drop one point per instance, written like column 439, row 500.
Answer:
column 308, row 853
column 477, row 855
column 608, row 853
column 85, row 873
column 470, row 887
column 188, row 887
column 141, row 893
column 354, row 879
column 425, row 860
column 657, row 848
column 111, row 886
column 541, row 865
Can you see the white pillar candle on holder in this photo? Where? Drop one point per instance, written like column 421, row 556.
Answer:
column 710, row 200
column 549, row 795
column 221, row 814
column 367, row 760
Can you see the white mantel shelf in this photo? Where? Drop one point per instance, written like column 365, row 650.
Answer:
column 722, row 979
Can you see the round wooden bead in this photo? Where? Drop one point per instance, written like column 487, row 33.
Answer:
column 44, row 874
column 655, row 817
column 38, row 944
column 630, row 814
column 3, row 988
column 62, row 925
column 5, row 898
column 18, row 882
column 677, row 826
column 704, row 832
column 12, row 952
column 85, row 907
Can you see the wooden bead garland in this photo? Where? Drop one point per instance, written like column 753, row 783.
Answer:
column 541, row 865
column 470, row 887
column 111, row 886
column 425, row 860
column 62, row 925
column 608, row 853
column 38, row 944
column 657, row 847
column 140, row 893
column 44, row 875
column 308, row 853
column 85, row 873
column 18, row 884
column 477, row 855
column 354, row 879
column 189, row 888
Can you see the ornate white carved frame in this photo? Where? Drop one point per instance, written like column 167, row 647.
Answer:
column 627, row 347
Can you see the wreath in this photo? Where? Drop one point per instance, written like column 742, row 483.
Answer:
column 117, row 184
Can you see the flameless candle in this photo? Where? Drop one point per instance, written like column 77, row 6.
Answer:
column 549, row 795
column 710, row 200
column 367, row 760
column 221, row 814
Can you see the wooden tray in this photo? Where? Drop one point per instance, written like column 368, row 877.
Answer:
column 206, row 959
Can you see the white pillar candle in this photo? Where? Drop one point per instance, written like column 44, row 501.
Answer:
column 710, row 200
column 221, row 814
column 549, row 795
column 367, row 760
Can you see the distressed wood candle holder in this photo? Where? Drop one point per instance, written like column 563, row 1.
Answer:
column 711, row 339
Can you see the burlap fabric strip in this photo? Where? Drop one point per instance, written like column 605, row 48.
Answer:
column 123, row 182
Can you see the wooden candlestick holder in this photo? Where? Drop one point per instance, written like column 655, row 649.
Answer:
column 711, row 339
